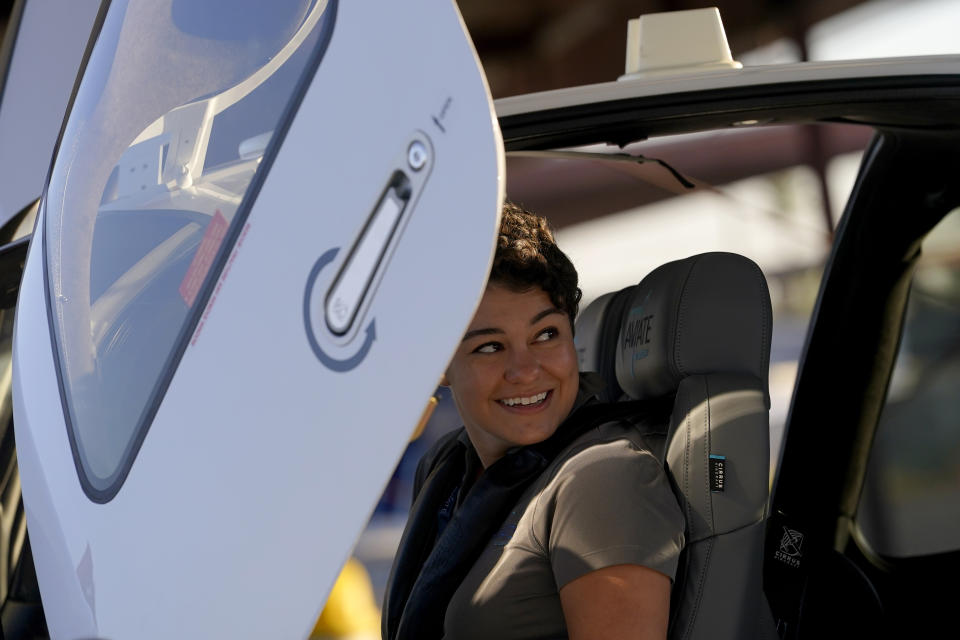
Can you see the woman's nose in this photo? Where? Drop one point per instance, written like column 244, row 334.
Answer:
column 522, row 366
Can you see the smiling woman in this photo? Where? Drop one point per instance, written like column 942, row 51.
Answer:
column 514, row 377
column 542, row 517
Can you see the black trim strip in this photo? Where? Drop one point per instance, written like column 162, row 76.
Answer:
column 921, row 102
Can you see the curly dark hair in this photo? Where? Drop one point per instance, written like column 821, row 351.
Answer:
column 527, row 256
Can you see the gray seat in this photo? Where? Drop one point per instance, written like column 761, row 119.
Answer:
column 698, row 330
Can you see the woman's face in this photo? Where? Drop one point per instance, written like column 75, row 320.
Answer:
column 514, row 377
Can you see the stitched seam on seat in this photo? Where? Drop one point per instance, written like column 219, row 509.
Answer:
column 686, row 466
column 752, row 523
column 706, row 454
column 701, row 582
column 763, row 318
column 681, row 310
column 709, row 541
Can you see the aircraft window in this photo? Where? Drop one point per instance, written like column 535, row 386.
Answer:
column 158, row 163
column 910, row 504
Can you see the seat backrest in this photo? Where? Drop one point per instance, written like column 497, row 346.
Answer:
column 698, row 330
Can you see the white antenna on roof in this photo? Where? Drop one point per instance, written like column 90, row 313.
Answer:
column 677, row 42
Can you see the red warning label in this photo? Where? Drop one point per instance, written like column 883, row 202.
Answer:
column 197, row 273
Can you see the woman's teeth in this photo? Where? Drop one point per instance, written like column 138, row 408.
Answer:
column 540, row 397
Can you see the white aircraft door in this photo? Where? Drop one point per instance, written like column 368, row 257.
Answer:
column 45, row 51
column 264, row 231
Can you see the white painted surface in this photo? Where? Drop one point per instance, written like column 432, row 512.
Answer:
column 262, row 465
column 49, row 47
column 51, row 494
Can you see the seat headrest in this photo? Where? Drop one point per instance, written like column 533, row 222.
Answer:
column 587, row 336
column 709, row 313
column 596, row 335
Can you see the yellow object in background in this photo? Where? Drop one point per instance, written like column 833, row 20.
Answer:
column 351, row 610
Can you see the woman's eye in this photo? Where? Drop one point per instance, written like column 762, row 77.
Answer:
column 547, row 334
column 488, row 347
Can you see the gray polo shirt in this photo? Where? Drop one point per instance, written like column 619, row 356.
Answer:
column 605, row 500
